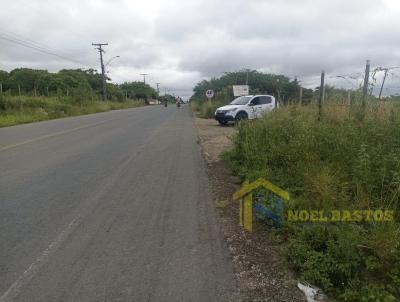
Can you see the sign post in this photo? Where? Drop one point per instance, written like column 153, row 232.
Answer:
column 209, row 94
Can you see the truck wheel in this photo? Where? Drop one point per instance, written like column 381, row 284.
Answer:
column 241, row 116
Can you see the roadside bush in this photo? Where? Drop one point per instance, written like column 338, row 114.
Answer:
column 205, row 109
column 336, row 163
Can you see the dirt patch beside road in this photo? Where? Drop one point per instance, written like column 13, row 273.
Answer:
column 259, row 264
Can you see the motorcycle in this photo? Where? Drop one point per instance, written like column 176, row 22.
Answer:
column 178, row 104
column 165, row 103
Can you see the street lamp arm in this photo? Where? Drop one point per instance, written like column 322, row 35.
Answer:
column 109, row 61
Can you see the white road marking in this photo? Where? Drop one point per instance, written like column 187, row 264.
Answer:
column 28, row 274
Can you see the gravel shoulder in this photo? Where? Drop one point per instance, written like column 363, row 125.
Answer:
column 258, row 260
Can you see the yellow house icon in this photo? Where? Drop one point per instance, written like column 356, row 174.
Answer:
column 245, row 197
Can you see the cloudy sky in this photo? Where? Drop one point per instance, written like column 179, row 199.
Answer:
column 180, row 42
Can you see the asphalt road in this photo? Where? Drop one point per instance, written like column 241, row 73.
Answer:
column 109, row 207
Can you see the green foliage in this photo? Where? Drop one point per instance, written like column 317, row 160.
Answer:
column 16, row 110
column 205, row 109
column 260, row 83
column 336, row 163
column 34, row 95
column 138, row 90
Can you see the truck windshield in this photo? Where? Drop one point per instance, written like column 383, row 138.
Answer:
column 243, row 100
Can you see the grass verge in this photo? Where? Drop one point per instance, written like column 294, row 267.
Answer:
column 338, row 163
column 20, row 110
column 205, row 109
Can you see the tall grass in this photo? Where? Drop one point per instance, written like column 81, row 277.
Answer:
column 339, row 162
column 25, row 109
column 206, row 109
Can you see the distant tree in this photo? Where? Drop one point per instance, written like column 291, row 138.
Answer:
column 115, row 93
column 260, row 83
column 3, row 76
column 138, row 90
column 25, row 78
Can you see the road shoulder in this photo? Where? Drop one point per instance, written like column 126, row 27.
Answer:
column 259, row 263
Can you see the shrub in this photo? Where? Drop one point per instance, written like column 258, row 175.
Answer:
column 336, row 163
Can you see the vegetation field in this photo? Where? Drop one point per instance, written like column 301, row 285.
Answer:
column 19, row 110
column 336, row 163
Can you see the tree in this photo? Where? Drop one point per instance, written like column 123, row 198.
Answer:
column 260, row 83
column 138, row 90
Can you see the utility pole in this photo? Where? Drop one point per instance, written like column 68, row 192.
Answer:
column 103, row 73
column 301, row 95
column 158, row 92
column 321, row 94
column 365, row 89
column 144, row 77
column 383, row 82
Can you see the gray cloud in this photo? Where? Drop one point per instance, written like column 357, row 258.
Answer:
column 181, row 42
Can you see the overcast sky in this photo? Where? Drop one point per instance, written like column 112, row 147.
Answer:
column 180, row 42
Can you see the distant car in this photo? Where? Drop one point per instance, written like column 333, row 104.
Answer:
column 245, row 107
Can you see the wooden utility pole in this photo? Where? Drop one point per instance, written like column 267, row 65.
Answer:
column 103, row 72
column 301, row 95
column 144, row 77
column 19, row 90
column 365, row 89
column 158, row 92
column 321, row 94
column 383, row 82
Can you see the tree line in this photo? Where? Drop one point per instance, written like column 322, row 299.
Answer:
column 75, row 83
column 280, row 86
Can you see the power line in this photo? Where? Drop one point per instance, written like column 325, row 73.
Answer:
column 37, row 48
column 27, row 40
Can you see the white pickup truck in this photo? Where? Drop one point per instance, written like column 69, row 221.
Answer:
column 245, row 107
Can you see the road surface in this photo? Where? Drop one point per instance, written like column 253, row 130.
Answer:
column 109, row 207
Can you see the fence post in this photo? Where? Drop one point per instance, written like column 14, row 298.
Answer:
column 349, row 97
column 321, row 94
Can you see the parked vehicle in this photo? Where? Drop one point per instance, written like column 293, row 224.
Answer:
column 245, row 107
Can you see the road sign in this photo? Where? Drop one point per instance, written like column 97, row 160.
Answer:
column 210, row 93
